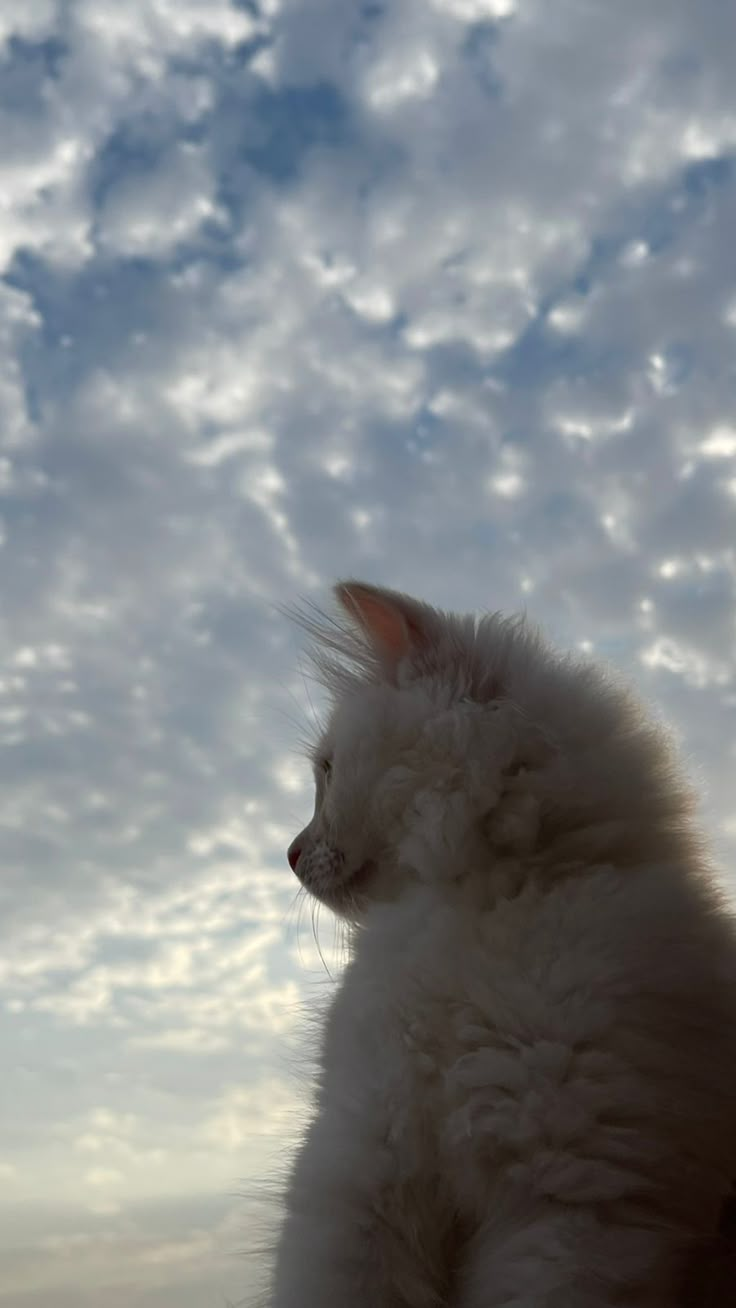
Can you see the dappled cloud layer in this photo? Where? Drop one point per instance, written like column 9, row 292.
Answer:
column 441, row 294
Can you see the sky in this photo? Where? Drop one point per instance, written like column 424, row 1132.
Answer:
column 440, row 294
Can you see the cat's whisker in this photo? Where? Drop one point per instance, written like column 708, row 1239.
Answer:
column 298, row 905
column 341, row 941
column 292, row 908
column 316, row 906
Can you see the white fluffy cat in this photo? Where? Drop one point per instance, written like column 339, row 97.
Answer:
column 526, row 1092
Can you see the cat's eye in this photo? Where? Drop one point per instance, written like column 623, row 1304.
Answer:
column 326, row 766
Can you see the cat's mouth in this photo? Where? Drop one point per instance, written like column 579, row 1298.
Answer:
column 337, row 892
column 346, row 894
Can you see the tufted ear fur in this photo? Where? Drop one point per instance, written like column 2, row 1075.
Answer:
column 394, row 624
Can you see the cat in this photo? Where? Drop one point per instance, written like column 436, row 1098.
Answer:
column 525, row 1093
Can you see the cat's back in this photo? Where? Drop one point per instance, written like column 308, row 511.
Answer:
column 602, row 1040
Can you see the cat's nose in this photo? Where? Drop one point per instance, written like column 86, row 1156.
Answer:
column 293, row 853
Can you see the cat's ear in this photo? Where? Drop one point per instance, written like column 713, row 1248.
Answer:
column 395, row 625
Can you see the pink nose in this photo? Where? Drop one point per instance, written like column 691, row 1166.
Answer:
column 293, row 855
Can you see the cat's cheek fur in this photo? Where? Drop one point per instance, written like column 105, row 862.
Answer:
column 446, row 815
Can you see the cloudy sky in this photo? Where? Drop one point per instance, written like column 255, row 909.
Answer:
column 438, row 293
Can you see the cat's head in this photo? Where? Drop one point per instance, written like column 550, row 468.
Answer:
column 419, row 765
column 455, row 745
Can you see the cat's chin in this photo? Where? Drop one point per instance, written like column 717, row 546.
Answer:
column 348, row 896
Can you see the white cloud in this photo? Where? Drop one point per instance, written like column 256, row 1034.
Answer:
column 32, row 23
column 18, row 321
column 151, row 213
column 410, row 76
column 145, row 34
column 720, row 444
column 569, row 317
column 686, row 663
column 476, row 11
column 262, row 1112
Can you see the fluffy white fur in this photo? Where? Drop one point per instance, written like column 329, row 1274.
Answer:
column 526, row 1079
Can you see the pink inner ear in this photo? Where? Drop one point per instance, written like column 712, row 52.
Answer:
column 383, row 622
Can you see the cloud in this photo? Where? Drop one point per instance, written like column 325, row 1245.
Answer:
column 154, row 212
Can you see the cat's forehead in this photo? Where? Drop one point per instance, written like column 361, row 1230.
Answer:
column 379, row 714
column 353, row 715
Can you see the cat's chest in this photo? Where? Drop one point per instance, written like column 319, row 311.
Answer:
column 434, row 1031
column 391, row 1043
column 383, row 1034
